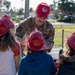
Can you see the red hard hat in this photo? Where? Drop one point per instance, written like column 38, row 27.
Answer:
column 36, row 42
column 71, row 41
column 5, row 24
column 43, row 10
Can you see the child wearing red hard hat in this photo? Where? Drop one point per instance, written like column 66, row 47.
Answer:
column 67, row 58
column 9, row 48
column 37, row 61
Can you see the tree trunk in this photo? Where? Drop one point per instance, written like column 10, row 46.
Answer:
column 26, row 8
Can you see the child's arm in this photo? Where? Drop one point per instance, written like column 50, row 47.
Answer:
column 17, row 56
column 17, row 59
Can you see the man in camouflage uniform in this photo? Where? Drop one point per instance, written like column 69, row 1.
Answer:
column 40, row 22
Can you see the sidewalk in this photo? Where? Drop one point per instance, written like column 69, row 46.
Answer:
column 57, row 48
column 55, row 52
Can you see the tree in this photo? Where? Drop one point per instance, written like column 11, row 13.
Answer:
column 26, row 8
column 20, row 12
column 52, row 7
column 31, row 9
column 67, row 7
column 7, row 4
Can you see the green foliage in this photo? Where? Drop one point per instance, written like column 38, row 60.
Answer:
column 20, row 12
column 67, row 7
column 31, row 10
column 60, row 17
column 7, row 4
column 52, row 7
column 18, row 20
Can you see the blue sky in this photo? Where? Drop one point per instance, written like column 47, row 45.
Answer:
column 33, row 3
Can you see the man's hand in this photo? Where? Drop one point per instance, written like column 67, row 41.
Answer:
column 50, row 46
column 23, row 42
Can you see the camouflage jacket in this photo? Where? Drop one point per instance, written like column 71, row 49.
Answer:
column 28, row 25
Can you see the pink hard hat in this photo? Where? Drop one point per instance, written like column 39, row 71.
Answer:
column 5, row 24
column 71, row 41
column 43, row 10
column 36, row 42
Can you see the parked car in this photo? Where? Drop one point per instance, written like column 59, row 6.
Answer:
column 68, row 19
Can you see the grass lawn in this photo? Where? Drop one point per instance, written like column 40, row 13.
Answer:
column 61, row 34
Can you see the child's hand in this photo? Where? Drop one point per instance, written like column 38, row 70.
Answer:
column 23, row 42
column 47, row 41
